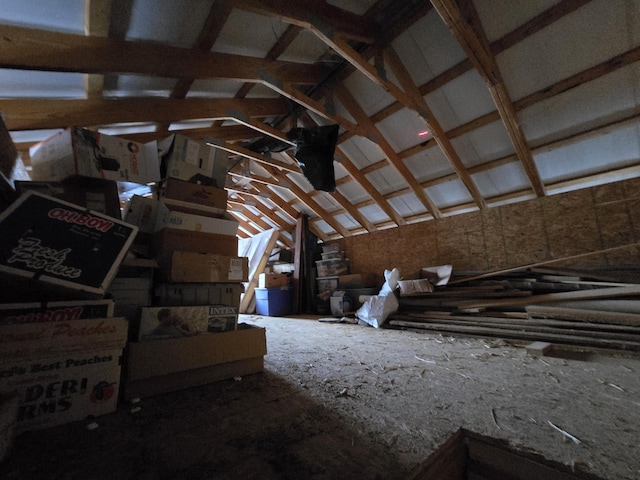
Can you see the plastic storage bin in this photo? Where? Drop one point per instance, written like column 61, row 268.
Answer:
column 274, row 302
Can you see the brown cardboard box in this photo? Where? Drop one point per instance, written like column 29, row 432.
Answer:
column 169, row 239
column 97, row 194
column 164, row 365
column 167, row 294
column 272, row 280
column 200, row 267
column 194, row 193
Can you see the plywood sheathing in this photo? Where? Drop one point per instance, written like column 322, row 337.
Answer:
column 509, row 236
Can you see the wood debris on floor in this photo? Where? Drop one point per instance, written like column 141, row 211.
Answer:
column 597, row 308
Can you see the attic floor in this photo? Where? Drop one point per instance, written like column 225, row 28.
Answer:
column 350, row 401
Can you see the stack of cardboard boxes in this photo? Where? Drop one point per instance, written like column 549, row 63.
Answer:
column 168, row 271
column 339, row 291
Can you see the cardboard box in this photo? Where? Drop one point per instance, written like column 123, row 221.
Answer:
column 184, row 321
column 133, row 286
column 62, row 371
column 169, row 239
column 151, row 215
column 195, row 194
column 167, row 294
column 148, row 387
column 71, row 386
column 17, row 313
column 199, row 267
column 193, row 161
column 178, row 355
column 55, row 250
column 95, row 194
column 415, row 287
column 200, row 223
column 79, row 151
column 52, row 339
column 272, row 280
column 274, row 302
column 146, row 213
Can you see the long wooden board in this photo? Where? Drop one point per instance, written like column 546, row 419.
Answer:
column 553, row 297
column 583, row 315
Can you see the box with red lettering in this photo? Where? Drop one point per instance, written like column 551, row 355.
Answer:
column 55, row 250
column 62, row 371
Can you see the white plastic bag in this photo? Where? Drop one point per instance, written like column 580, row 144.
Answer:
column 377, row 308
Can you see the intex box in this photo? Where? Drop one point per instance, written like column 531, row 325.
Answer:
column 185, row 321
column 199, row 267
column 73, row 252
column 62, row 371
column 78, row 151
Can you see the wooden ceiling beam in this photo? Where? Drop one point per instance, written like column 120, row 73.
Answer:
column 462, row 19
column 314, row 14
column 439, row 135
column 311, row 203
column 33, row 49
column 349, row 102
column 40, row 113
column 366, row 185
column 246, row 153
column 97, row 17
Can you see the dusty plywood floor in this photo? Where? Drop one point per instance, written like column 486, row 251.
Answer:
column 350, row 401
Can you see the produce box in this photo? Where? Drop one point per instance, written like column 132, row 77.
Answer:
column 16, row 313
column 193, row 161
column 185, row 321
column 54, row 250
column 79, row 151
column 62, row 371
column 65, row 388
column 200, row 267
column 167, row 294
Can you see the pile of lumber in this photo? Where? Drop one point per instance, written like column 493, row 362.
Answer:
column 589, row 308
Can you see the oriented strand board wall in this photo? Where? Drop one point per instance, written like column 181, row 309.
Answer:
column 514, row 235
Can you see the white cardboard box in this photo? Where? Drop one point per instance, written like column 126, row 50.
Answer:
column 193, row 161
column 79, row 151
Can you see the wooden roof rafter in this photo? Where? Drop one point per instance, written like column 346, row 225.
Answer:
column 463, row 21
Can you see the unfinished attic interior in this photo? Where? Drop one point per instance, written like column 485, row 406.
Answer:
column 368, row 239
